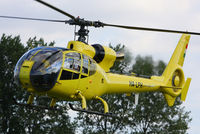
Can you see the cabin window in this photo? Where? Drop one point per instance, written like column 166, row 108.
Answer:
column 72, row 66
column 92, row 67
column 85, row 64
column 73, row 61
column 66, row 75
column 89, row 66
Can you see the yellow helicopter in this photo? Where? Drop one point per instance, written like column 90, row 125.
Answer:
column 81, row 71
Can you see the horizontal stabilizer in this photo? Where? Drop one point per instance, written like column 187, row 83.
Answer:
column 171, row 87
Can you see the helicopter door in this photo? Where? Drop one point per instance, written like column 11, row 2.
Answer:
column 83, row 84
column 71, row 70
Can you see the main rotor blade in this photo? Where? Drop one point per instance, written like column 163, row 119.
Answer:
column 55, row 8
column 150, row 29
column 37, row 19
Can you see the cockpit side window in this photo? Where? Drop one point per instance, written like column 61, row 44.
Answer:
column 73, row 61
column 92, row 67
column 89, row 66
column 72, row 66
column 85, row 64
column 76, row 64
column 74, row 55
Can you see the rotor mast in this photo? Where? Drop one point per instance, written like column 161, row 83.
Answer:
column 82, row 33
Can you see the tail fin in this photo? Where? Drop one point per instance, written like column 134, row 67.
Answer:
column 173, row 74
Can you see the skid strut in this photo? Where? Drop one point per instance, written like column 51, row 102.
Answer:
column 30, row 99
column 106, row 109
column 90, row 112
column 84, row 106
column 53, row 102
column 83, row 100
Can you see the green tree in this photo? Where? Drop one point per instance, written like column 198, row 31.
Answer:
column 144, row 65
column 18, row 119
column 121, row 66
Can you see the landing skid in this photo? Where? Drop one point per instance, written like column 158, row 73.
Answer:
column 91, row 112
column 70, row 105
column 53, row 108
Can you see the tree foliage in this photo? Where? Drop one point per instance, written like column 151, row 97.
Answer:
column 123, row 65
column 14, row 118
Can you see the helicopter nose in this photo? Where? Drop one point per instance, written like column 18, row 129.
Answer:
column 38, row 69
column 24, row 73
column 23, row 67
column 36, row 79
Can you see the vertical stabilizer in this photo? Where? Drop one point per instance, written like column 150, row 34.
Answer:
column 173, row 74
column 178, row 56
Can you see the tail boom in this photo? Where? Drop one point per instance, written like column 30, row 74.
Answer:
column 172, row 82
column 128, row 84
